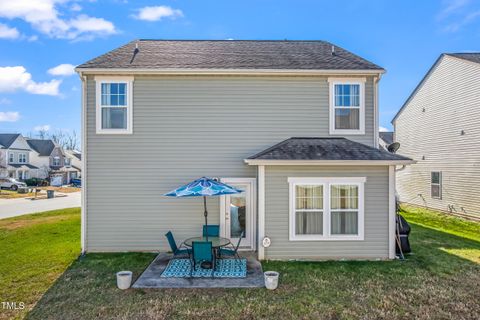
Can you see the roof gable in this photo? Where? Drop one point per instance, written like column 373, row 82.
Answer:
column 44, row 148
column 228, row 55
column 471, row 57
column 7, row 139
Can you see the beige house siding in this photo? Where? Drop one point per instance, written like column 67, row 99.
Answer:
column 186, row 127
column 431, row 126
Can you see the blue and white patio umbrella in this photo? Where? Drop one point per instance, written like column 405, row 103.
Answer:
column 203, row 187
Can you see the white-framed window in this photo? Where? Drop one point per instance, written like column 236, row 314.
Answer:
column 326, row 208
column 56, row 161
column 436, row 185
column 67, row 161
column 22, row 158
column 347, row 106
column 114, row 105
column 11, row 157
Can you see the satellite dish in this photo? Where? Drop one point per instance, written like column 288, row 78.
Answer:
column 393, row 147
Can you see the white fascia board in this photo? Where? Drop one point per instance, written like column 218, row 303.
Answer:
column 257, row 162
column 173, row 71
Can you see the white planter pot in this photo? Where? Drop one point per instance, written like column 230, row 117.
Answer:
column 271, row 279
column 124, row 279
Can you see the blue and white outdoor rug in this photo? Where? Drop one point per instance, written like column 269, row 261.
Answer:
column 225, row 268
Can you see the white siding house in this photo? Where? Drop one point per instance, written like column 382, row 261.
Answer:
column 438, row 126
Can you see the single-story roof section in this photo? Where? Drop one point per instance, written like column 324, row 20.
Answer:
column 22, row 166
column 325, row 151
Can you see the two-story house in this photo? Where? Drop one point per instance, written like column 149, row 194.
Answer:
column 53, row 161
column 438, row 126
column 292, row 123
column 15, row 157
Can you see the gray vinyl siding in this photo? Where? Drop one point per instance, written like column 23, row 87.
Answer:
column 450, row 96
column 375, row 243
column 184, row 128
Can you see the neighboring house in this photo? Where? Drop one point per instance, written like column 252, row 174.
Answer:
column 438, row 126
column 53, row 161
column 73, row 158
column 385, row 139
column 15, row 157
column 293, row 123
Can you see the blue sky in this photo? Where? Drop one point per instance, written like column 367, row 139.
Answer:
column 40, row 41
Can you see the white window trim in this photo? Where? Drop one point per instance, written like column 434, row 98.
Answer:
column 327, row 182
column 20, row 157
column 11, row 157
column 440, row 176
column 334, row 81
column 129, row 82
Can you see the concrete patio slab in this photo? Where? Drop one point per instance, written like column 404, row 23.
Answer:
column 150, row 278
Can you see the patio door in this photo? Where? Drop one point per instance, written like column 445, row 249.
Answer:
column 237, row 212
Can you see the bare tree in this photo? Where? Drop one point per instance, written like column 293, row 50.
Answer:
column 68, row 140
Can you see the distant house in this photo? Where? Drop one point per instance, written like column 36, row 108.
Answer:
column 53, row 161
column 438, row 126
column 15, row 157
column 294, row 124
column 385, row 139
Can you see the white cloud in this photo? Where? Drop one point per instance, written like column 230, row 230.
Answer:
column 9, row 116
column 43, row 16
column 157, row 13
column 5, row 101
column 17, row 78
column 8, row 33
column 76, row 7
column 45, row 127
column 64, row 69
column 383, row 129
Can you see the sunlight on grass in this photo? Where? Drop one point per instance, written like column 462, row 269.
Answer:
column 469, row 254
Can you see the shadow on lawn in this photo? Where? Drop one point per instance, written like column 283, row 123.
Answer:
column 429, row 283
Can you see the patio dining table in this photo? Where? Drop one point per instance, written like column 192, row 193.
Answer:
column 217, row 242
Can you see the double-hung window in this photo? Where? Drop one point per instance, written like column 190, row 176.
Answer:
column 347, row 106
column 436, row 185
column 22, row 158
column 326, row 208
column 114, row 105
column 56, row 161
column 11, row 157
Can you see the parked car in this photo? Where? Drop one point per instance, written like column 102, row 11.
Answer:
column 11, row 184
column 77, row 183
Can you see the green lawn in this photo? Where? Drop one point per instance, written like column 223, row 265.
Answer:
column 441, row 280
column 35, row 250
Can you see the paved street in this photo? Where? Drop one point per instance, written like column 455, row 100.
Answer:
column 17, row 207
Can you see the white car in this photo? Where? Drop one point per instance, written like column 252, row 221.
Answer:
column 11, row 184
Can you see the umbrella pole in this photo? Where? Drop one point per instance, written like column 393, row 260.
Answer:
column 205, row 213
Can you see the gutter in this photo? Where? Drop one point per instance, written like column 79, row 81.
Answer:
column 260, row 162
column 182, row 71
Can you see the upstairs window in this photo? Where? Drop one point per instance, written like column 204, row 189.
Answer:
column 436, row 185
column 114, row 106
column 67, row 161
column 56, row 161
column 11, row 157
column 347, row 115
column 22, row 158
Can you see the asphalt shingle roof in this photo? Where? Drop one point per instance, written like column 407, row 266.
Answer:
column 472, row 56
column 230, row 54
column 6, row 139
column 43, row 147
column 324, row 149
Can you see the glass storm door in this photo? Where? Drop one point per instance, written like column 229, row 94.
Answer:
column 238, row 215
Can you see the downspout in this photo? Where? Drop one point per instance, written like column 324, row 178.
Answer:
column 83, row 165
column 376, row 137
